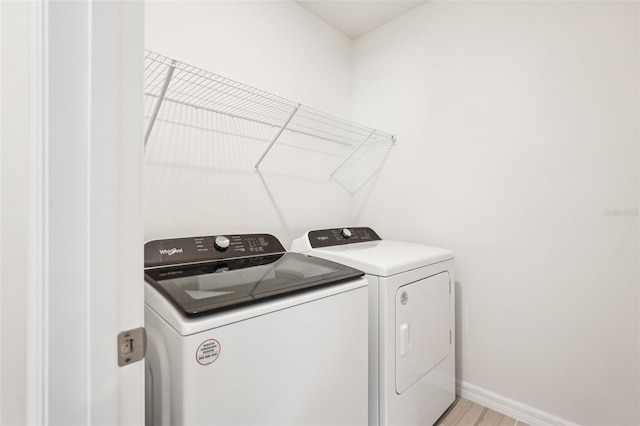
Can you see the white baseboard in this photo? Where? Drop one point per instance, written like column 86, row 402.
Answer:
column 509, row 407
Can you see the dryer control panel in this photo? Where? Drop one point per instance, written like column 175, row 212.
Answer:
column 206, row 248
column 341, row 236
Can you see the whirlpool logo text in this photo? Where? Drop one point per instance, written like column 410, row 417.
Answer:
column 170, row 252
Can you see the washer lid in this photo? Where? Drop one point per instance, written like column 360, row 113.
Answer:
column 203, row 288
column 383, row 258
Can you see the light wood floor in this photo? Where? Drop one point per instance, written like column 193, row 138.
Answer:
column 466, row 413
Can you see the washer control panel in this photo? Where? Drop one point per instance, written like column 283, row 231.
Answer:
column 341, row 236
column 202, row 249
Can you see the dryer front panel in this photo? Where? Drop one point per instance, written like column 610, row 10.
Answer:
column 422, row 323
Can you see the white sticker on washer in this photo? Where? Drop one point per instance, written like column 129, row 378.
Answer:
column 208, row 352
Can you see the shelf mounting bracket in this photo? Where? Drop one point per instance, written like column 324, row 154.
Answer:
column 163, row 92
column 275, row 139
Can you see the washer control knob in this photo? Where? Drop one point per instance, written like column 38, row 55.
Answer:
column 345, row 233
column 221, row 243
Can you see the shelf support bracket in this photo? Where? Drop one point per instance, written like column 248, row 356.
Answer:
column 163, row 92
column 275, row 139
column 352, row 154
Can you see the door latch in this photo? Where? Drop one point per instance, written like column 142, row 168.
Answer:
column 132, row 346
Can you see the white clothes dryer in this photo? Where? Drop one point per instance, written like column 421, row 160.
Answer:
column 241, row 332
column 411, row 321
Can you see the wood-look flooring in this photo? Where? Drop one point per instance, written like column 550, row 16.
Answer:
column 466, row 413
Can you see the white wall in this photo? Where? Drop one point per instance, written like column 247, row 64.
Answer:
column 518, row 135
column 14, row 151
column 195, row 188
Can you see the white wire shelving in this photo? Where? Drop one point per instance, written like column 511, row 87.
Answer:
column 181, row 95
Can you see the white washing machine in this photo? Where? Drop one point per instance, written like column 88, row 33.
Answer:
column 240, row 332
column 411, row 321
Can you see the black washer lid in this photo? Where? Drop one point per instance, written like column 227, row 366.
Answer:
column 200, row 277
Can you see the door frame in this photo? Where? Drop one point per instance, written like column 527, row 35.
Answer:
column 83, row 221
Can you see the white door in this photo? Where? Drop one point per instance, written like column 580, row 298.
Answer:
column 82, row 224
column 422, row 328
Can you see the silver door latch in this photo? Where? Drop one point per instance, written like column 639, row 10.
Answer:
column 132, row 346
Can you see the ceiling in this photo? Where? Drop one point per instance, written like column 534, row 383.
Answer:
column 357, row 17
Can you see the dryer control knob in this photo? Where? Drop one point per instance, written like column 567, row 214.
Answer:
column 221, row 243
column 345, row 233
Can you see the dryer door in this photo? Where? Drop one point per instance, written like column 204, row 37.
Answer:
column 422, row 328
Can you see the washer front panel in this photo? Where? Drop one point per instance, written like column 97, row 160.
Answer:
column 291, row 365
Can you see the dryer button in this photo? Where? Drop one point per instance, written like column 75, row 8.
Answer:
column 345, row 233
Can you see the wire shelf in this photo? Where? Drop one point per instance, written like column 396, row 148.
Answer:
column 176, row 92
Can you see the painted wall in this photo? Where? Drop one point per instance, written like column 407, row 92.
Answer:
column 198, row 183
column 518, row 136
column 14, row 166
